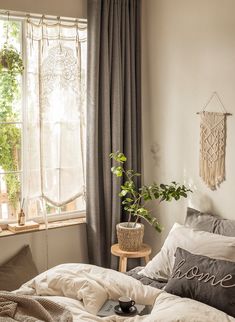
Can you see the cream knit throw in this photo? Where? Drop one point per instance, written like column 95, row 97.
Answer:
column 212, row 150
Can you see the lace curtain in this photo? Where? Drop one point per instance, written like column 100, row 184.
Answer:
column 55, row 112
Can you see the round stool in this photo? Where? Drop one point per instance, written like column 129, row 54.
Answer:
column 144, row 251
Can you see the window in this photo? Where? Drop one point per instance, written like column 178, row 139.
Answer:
column 42, row 119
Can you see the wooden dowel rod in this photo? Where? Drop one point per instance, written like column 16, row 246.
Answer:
column 216, row 112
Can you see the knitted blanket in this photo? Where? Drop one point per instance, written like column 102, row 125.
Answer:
column 31, row 309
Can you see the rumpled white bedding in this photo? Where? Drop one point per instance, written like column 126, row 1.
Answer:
column 83, row 289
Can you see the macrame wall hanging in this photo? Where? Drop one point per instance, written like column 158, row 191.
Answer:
column 213, row 144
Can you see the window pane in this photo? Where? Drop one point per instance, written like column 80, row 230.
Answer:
column 9, row 195
column 34, row 207
column 10, row 147
column 78, row 204
column 10, row 83
column 13, row 126
column 13, row 28
column 52, row 210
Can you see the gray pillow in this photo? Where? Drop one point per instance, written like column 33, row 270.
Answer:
column 209, row 222
column 17, row 270
column 204, row 279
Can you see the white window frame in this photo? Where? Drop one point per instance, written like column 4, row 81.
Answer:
column 50, row 217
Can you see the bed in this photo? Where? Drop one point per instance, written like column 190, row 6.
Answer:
column 191, row 279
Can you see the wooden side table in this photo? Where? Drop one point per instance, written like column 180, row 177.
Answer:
column 144, row 251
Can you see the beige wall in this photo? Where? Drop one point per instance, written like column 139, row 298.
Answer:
column 68, row 8
column 188, row 52
column 65, row 245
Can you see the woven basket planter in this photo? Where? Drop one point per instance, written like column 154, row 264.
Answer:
column 130, row 238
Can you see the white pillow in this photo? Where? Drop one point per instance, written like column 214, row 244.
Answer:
column 194, row 241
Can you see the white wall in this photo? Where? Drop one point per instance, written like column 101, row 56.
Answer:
column 65, row 245
column 68, row 8
column 188, row 52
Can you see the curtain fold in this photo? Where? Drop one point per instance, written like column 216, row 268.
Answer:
column 113, row 114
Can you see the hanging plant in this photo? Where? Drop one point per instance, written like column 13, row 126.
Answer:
column 10, row 60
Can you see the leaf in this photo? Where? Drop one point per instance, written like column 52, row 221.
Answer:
column 118, row 156
column 147, row 197
column 156, row 195
column 121, row 157
column 129, row 199
column 157, row 227
column 142, row 211
column 123, row 193
column 129, row 209
column 117, row 170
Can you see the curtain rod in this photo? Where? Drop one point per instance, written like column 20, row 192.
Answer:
column 25, row 15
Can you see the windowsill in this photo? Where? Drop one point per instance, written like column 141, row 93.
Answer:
column 51, row 225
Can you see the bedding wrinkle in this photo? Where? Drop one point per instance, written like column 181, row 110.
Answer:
column 83, row 289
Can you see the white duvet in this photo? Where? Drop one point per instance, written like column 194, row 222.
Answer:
column 83, row 289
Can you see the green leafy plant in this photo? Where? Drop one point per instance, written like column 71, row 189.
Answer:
column 134, row 199
column 11, row 67
column 10, row 60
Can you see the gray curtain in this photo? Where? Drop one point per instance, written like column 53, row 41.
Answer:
column 114, row 115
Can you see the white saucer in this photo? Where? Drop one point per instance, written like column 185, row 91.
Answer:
column 118, row 310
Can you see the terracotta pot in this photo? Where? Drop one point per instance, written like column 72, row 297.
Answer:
column 130, row 236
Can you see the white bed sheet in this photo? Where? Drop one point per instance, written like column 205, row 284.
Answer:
column 83, row 289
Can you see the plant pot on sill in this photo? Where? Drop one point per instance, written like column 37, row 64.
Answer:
column 130, row 236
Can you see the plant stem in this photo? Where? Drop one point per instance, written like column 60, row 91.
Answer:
column 129, row 219
column 136, row 220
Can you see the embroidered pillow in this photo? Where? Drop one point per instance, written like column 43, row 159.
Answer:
column 204, row 279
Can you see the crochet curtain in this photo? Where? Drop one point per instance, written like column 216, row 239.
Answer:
column 55, row 112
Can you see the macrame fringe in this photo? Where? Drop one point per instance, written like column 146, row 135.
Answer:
column 213, row 175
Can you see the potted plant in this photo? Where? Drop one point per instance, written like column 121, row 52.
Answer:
column 134, row 200
column 10, row 60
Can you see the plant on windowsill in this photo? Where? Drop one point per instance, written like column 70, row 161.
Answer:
column 134, row 199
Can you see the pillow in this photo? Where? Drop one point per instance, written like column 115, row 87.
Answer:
column 204, row 279
column 17, row 270
column 195, row 241
column 209, row 222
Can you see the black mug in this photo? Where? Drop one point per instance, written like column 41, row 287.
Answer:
column 125, row 303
